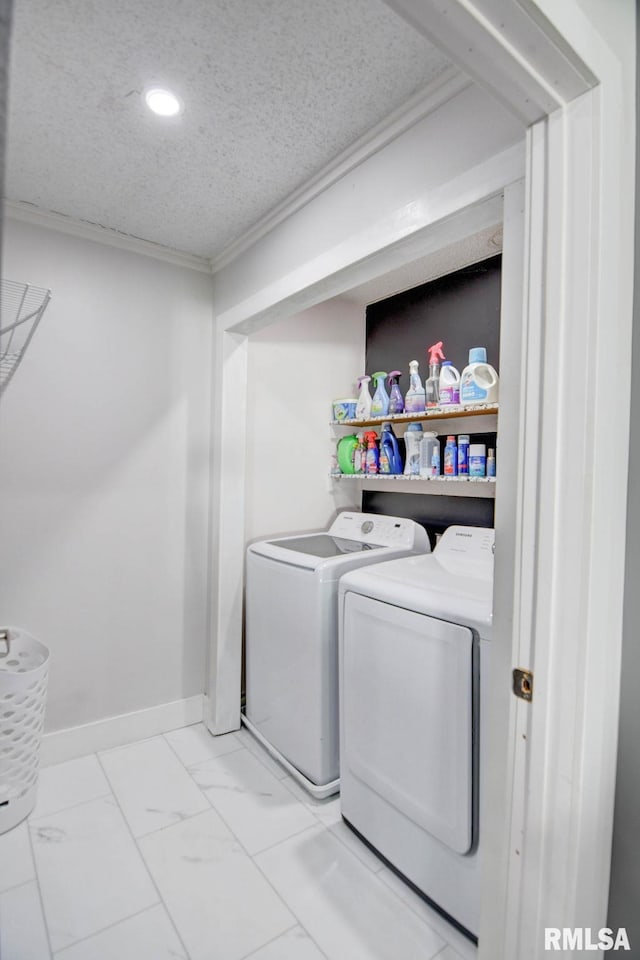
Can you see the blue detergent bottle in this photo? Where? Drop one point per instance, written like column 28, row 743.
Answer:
column 396, row 400
column 380, row 402
column 390, row 456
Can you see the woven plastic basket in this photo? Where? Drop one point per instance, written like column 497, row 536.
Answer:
column 24, row 663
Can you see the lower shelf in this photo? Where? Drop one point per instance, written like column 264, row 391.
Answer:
column 445, row 486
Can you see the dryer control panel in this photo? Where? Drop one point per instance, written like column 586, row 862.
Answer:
column 467, row 550
column 380, row 530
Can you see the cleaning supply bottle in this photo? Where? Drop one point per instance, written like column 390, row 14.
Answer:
column 412, row 440
column 359, row 454
column 363, row 410
column 346, row 451
column 479, row 381
column 477, row 460
column 432, row 386
column 463, row 455
column 449, row 384
column 380, row 402
column 451, row 458
column 430, row 455
column 414, row 402
column 390, row 458
column 396, row 401
column 372, row 461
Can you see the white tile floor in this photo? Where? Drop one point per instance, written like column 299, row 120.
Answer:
column 192, row 847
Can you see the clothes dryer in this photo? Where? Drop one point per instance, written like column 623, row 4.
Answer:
column 292, row 636
column 414, row 658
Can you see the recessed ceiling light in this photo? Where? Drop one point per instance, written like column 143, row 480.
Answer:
column 163, row 102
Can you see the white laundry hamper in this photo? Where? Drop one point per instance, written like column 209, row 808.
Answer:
column 24, row 664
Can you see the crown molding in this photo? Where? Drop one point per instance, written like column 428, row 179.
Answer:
column 30, row 213
column 447, row 85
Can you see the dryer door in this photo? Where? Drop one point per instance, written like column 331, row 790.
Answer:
column 407, row 714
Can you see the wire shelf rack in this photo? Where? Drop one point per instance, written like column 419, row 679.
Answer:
column 21, row 308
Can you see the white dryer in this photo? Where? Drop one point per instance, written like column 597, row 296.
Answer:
column 414, row 658
column 292, row 636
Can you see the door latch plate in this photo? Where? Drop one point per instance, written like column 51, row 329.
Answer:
column 523, row 684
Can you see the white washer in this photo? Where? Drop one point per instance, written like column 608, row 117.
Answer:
column 292, row 636
column 414, row 645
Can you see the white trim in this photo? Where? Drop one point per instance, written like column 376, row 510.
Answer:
column 508, row 47
column 28, row 213
column 446, row 86
column 462, row 207
column 117, row 731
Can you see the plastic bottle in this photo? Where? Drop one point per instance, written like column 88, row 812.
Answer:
column 363, row 410
column 449, row 384
column 359, row 454
column 396, row 401
column 463, row 455
column 412, row 440
column 432, row 386
column 380, row 402
column 390, row 459
column 414, row 402
column 346, row 450
column 479, row 381
column 430, row 455
column 491, row 463
column 372, row 462
column 477, row 459
column 451, row 458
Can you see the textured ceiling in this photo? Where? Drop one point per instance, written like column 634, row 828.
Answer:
column 273, row 91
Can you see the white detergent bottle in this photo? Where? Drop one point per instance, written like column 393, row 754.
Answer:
column 412, row 441
column 449, row 384
column 415, row 400
column 363, row 410
column 479, row 381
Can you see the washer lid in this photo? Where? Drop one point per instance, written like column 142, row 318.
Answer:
column 454, row 583
column 322, row 545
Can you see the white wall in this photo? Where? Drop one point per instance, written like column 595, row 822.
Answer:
column 104, row 475
column 296, row 367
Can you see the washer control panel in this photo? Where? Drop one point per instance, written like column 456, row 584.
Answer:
column 380, row 530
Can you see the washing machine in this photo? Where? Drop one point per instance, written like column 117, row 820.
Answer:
column 414, row 659
column 292, row 636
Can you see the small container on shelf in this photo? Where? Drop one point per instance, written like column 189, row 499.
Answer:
column 477, row 460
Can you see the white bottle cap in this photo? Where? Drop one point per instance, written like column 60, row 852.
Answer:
column 477, row 450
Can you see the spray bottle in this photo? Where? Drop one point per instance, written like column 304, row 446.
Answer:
column 414, row 402
column 363, row 410
column 396, row 402
column 432, row 386
column 380, row 404
column 372, row 462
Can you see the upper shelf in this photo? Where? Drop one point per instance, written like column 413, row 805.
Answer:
column 450, row 412
column 21, row 307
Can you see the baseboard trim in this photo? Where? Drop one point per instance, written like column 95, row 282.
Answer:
column 118, row 731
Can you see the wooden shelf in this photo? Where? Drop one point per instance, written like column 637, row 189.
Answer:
column 437, row 413
column 446, row 486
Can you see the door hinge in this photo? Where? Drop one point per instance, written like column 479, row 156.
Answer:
column 523, row 684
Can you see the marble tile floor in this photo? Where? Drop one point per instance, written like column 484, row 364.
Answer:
column 192, row 847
